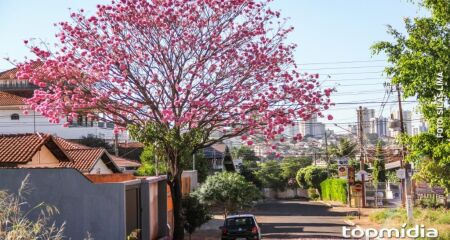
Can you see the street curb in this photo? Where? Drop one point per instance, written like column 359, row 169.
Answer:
column 325, row 203
column 350, row 222
column 353, row 224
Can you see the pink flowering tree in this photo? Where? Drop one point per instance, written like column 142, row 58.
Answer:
column 181, row 75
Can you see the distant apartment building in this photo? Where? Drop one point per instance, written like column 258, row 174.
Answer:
column 292, row 130
column 312, row 128
column 13, row 120
column 378, row 126
column 419, row 127
column 394, row 123
column 367, row 115
column 353, row 129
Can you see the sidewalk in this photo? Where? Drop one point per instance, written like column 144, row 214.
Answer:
column 358, row 217
column 209, row 230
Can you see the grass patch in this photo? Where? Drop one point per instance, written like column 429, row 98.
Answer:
column 437, row 218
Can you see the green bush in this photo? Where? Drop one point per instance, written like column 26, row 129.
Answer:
column 312, row 194
column 334, row 189
column 430, row 202
column 311, row 177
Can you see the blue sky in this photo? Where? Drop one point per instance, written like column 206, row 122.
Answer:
column 328, row 32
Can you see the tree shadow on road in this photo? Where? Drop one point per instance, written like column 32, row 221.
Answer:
column 295, row 208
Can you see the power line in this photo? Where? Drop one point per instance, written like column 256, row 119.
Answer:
column 354, row 79
column 355, row 67
column 342, row 62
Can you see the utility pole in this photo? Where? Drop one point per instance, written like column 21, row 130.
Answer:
column 156, row 166
column 326, row 154
column 361, row 156
column 406, row 186
column 34, row 121
column 314, row 157
column 116, row 147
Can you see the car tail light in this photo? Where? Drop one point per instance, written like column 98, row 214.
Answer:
column 224, row 231
column 254, row 230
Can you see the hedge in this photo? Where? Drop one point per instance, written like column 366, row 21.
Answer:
column 334, row 189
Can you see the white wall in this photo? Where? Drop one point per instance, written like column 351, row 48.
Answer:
column 29, row 124
column 100, row 168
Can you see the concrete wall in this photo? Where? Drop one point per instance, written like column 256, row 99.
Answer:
column 192, row 174
column 84, row 206
column 154, row 208
column 286, row 194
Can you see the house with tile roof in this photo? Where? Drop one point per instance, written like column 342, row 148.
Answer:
column 44, row 150
column 14, row 92
column 93, row 191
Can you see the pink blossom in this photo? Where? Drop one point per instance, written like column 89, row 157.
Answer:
column 187, row 75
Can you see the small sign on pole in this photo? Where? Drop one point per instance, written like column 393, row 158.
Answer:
column 342, row 171
column 401, row 173
column 358, row 187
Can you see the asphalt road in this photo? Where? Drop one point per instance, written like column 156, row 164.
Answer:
column 299, row 220
column 287, row 220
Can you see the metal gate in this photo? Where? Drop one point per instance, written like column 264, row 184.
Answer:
column 383, row 194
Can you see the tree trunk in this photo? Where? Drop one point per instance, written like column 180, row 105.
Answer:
column 175, row 189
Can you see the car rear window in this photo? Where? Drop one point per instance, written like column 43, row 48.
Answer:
column 240, row 222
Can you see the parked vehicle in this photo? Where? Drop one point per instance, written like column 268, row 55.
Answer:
column 241, row 227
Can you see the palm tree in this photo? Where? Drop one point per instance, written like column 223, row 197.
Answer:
column 346, row 148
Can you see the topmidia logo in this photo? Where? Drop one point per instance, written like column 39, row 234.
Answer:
column 386, row 233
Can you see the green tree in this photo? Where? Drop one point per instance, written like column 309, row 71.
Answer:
column 93, row 141
column 248, row 171
column 228, row 190
column 148, row 168
column 149, row 165
column 379, row 171
column 270, row 175
column 311, row 177
column 194, row 213
column 201, row 165
column 245, row 153
column 355, row 164
column 345, row 148
column 420, row 64
column 391, row 176
column 291, row 165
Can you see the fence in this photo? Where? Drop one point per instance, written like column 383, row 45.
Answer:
column 383, row 194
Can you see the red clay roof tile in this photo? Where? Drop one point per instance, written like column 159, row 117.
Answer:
column 20, row 148
column 8, row 99
column 122, row 162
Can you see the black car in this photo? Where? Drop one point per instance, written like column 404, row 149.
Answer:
column 241, row 227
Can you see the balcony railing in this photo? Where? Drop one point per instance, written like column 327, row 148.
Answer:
column 16, row 85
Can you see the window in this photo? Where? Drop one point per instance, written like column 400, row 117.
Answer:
column 15, row 116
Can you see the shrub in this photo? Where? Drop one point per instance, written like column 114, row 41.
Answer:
column 437, row 218
column 195, row 213
column 228, row 190
column 312, row 194
column 311, row 176
column 334, row 189
column 291, row 165
column 429, row 202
